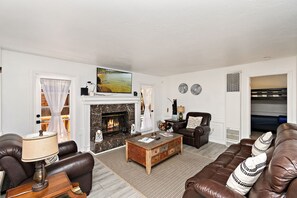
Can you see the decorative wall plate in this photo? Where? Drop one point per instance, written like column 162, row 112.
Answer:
column 183, row 88
column 196, row 89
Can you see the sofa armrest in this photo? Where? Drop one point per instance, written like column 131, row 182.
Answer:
column 201, row 130
column 292, row 189
column 74, row 166
column 211, row 188
column 247, row 142
column 67, row 147
column 179, row 125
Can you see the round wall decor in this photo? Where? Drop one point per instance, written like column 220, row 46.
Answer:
column 183, row 88
column 196, row 89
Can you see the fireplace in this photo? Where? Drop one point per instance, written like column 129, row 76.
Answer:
column 115, row 122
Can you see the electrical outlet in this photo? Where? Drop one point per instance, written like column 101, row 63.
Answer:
column 167, row 110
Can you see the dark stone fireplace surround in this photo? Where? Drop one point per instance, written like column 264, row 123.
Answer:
column 117, row 139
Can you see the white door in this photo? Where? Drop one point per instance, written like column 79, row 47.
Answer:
column 147, row 109
column 42, row 111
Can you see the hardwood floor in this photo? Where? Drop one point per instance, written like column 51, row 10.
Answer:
column 107, row 184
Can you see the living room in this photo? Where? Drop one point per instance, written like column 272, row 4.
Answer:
column 24, row 59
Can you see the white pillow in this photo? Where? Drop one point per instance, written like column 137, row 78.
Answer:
column 246, row 174
column 262, row 144
column 193, row 122
column 50, row 160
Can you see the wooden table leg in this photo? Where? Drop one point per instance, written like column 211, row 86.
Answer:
column 181, row 145
column 148, row 161
column 127, row 158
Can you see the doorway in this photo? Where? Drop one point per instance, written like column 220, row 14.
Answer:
column 53, row 109
column 268, row 103
column 146, row 109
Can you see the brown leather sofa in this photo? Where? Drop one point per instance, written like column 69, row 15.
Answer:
column 77, row 165
column 194, row 137
column 279, row 178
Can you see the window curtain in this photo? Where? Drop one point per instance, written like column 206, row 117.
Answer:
column 147, row 120
column 55, row 92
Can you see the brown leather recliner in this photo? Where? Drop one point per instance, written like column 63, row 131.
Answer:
column 78, row 166
column 194, row 137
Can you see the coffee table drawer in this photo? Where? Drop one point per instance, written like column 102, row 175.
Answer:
column 155, row 159
column 171, row 151
column 164, row 148
column 155, row 151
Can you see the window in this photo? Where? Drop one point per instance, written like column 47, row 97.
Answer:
column 46, row 113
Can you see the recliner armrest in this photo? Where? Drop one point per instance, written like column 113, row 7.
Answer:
column 200, row 130
column 74, row 166
column 179, row 125
column 67, row 147
column 211, row 188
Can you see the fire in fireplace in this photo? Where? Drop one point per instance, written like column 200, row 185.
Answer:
column 114, row 122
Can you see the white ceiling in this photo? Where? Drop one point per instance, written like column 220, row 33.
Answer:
column 158, row 37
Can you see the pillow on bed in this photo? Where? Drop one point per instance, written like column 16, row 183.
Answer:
column 262, row 143
column 246, row 174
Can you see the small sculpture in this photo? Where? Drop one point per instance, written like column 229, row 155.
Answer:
column 99, row 136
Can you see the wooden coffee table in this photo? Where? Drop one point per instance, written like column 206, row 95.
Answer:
column 150, row 154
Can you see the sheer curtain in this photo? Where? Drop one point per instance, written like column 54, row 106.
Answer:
column 55, row 92
column 147, row 120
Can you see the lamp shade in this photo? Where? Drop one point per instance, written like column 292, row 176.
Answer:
column 36, row 147
column 181, row 109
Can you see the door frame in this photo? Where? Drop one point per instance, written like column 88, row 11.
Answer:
column 246, row 99
column 72, row 101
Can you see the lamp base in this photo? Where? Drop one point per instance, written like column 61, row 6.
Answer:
column 39, row 177
column 180, row 116
column 39, row 186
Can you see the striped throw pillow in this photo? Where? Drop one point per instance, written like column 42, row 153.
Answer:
column 193, row 122
column 262, row 143
column 246, row 174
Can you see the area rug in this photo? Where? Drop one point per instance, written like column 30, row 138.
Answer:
column 167, row 179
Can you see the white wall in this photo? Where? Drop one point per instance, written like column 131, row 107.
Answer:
column 18, row 85
column 212, row 97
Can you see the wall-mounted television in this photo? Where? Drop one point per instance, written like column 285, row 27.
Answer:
column 113, row 81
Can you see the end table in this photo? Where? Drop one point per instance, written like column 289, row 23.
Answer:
column 59, row 185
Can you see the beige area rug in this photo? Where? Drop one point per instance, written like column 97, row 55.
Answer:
column 167, row 179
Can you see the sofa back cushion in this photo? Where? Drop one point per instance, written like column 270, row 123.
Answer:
column 282, row 168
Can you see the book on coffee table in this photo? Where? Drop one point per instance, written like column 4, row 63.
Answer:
column 146, row 140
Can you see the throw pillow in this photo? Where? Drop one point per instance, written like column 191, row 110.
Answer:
column 193, row 122
column 246, row 174
column 262, row 143
column 50, row 160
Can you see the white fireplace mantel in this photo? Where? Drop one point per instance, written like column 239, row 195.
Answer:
column 93, row 100
column 87, row 101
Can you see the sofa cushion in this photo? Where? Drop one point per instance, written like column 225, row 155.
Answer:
column 247, row 173
column 193, row 122
column 262, row 143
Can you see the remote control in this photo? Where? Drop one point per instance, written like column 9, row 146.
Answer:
column 157, row 138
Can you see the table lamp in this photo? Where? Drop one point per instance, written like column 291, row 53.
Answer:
column 180, row 110
column 37, row 147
